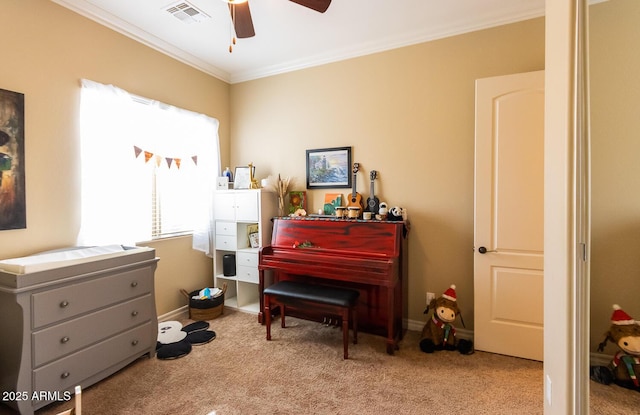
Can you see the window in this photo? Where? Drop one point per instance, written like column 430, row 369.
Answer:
column 147, row 169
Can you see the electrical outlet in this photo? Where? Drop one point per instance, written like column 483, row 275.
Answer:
column 430, row 296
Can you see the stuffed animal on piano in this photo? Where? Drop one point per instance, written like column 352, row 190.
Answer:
column 439, row 333
column 624, row 368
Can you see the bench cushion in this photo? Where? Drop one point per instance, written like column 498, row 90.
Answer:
column 342, row 297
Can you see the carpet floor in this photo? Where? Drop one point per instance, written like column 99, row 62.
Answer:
column 301, row 371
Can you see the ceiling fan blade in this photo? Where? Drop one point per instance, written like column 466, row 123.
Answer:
column 242, row 22
column 317, row 5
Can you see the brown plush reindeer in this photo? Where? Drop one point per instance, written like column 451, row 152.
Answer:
column 624, row 368
column 439, row 332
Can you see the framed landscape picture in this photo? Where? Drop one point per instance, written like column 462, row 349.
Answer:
column 329, row 168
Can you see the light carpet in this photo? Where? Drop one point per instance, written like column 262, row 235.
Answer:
column 301, row 371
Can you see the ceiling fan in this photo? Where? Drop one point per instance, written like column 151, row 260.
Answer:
column 241, row 15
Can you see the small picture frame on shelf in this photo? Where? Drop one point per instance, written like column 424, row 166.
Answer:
column 242, row 179
column 222, row 183
column 254, row 235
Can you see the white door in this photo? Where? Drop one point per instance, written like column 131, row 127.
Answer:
column 509, row 198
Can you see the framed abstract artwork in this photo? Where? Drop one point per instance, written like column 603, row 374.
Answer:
column 13, row 214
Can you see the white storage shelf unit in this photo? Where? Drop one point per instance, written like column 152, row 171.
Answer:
column 236, row 213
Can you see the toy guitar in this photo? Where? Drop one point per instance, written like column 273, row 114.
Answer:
column 373, row 203
column 355, row 199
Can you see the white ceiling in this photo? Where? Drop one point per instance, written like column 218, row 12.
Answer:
column 290, row 36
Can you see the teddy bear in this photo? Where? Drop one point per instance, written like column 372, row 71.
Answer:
column 439, row 333
column 625, row 365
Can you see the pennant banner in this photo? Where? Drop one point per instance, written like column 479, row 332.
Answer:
column 148, row 155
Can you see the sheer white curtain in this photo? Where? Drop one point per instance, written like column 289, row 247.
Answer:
column 125, row 146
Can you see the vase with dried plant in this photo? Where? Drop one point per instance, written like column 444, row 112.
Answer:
column 281, row 187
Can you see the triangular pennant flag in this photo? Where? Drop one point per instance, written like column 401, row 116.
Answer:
column 158, row 160
column 147, row 156
column 137, row 150
column 169, row 161
column 177, row 162
column 195, row 160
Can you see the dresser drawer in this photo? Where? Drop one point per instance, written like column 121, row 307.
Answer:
column 225, row 242
column 60, row 340
column 249, row 259
column 247, row 274
column 72, row 370
column 72, row 300
column 226, row 228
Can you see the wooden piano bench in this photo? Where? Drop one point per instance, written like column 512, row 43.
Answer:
column 337, row 301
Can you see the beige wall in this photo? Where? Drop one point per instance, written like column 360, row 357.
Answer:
column 408, row 113
column 615, row 93
column 46, row 50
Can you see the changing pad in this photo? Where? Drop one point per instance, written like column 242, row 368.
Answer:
column 58, row 258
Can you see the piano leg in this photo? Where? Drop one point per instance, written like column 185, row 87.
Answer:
column 261, row 319
column 392, row 345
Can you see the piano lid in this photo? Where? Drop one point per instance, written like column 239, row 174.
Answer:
column 375, row 238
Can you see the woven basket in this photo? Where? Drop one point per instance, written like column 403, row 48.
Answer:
column 206, row 309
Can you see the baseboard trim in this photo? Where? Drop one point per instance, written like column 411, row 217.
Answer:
column 595, row 359
column 181, row 313
column 416, row 325
column 600, row 359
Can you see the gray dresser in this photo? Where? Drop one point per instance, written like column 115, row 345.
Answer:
column 74, row 325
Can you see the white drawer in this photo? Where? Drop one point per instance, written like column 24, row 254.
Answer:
column 247, row 274
column 62, row 339
column 72, row 370
column 226, row 228
column 226, row 242
column 66, row 302
column 249, row 259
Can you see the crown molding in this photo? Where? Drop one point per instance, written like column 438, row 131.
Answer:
column 386, row 45
column 113, row 22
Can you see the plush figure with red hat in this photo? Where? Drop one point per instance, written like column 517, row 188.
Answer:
column 439, row 332
column 624, row 368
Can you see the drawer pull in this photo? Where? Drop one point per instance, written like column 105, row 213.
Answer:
column 64, row 340
column 134, row 284
column 134, row 343
column 65, row 375
column 64, row 304
column 134, row 313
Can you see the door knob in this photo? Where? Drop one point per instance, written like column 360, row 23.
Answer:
column 484, row 250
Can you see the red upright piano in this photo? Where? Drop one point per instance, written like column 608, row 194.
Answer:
column 366, row 255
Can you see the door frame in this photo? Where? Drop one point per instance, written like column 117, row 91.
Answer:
column 566, row 284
